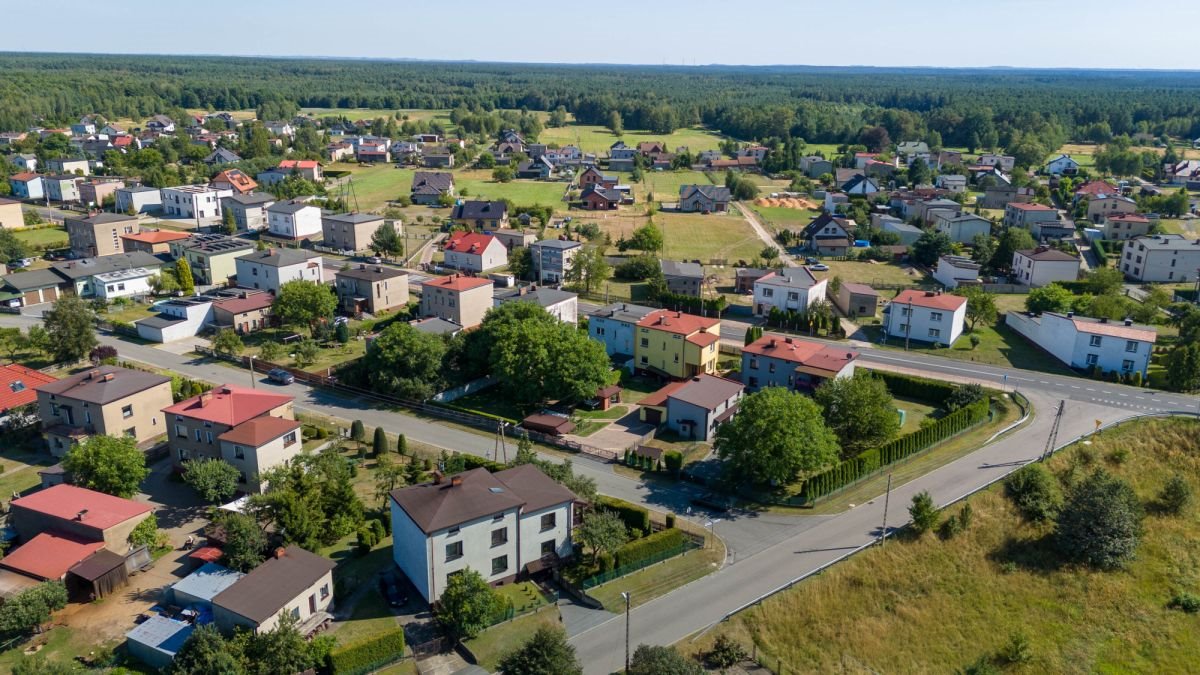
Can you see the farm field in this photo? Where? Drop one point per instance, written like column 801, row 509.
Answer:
column 699, row 237
column 939, row 605
column 599, row 139
column 356, row 114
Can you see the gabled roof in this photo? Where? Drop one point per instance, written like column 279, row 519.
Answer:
column 280, row 257
column 17, row 385
column 289, row 164
column 24, row 176
column 795, row 277
column 265, row 591
column 477, row 494
column 820, row 222
column 706, row 391
column 1097, row 187
column 237, row 179
column 228, row 404
column 252, row 301
column 598, row 190
column 469, row 242
column 432, row 182
column 675, row 268
column 290, row 207
column 49, row 555
column 677, row 322
column 929, row 300
column 66, row 502
column 716, row 193
column 1045, row 253
column 1123, row 330
column 222, row 155
column 480, row 210
column 1029, row 206
column 34, row 279
column 103, row 385
column 259, row 431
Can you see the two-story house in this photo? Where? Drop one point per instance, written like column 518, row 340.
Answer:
column 27, row 185
column 682, row 277
column 371, row 288
column 350, row 231
column 1043, row 265
column 480, row 215
column 829, row 235
column 474, row 252
column 212, row 257
column 693, row 408
column 562, row 305
column 926, row 316
column 270, row 269
column 459, row 299
column 793, row 363
column 139, row 199
column 107, row 400
column 99, row 234
column 615, row 326
column 502, row 525
column 234, row 180
column 1161, row 258
column 1084, row 342
column 249, row 210
column 962, row 228
column 677, row 345
column 62, row 188
column 308, row 169
column 428, row 187
column 1030, row 216
column 243, row 310
column 788, row 290
column 294, row 219
column 1125, row 226
column 552, row 259
column 199, row 202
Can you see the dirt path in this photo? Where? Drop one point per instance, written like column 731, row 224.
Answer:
column 763, row 234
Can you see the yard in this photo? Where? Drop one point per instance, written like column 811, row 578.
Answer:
column 873, row 273
column 998, row 346
column 598, row 139
column 42, row 238
column 330, row 355
column 479, row 185
column 492, row 644
column 691, row 236
column 782, row 218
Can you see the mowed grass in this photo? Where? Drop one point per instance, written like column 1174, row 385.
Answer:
column 479, row 185
column 706, row 237
column 664, row 185
column 934, row 605
column 781, row 217
column 376, row 185
column 599, row 139
column 43, row 237
column 871, row 273
column 492, row 644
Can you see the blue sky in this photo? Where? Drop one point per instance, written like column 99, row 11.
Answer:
column 1023, row 33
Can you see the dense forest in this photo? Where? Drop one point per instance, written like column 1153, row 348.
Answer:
column 1025, row 112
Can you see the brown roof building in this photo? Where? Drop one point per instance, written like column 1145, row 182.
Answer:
column 105, row 400
column 293, row 581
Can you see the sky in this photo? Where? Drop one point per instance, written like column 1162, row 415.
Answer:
column 955, row 33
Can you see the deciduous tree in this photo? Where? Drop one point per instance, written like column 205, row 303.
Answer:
column 776, row 436
column 107, row 464
column 1101, row 522
column 227, row 341
column 859, row 410
column 981, row 305
column 468, row 604
column 215, row 480
column 602, row 531
column 70, row 328
column 386, row 241
column 303, row 303
column 1049, row 298
column 659, row 660
column 32, row 607
column 405, row 362
column 245, row 541
column 547, row 652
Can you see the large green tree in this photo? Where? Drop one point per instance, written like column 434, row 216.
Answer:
column 647, row 238
column 1101, row 522
column 107, row 464
column 245, row 541
column 981, row 305
column 546, row 652
column 183, row 275
column 776, row 436
column 32, row 607
column 930, row 246
column 311, row 500
column 467, row 605
column 588, row 269
column 405, row 362
column 70, row 328
column 602, row 531
column 11, row 248
column 1049, row 298
column 386, row 241
column 859, row 410
column 1014, row 239
column 215, row 480
column 303, row 303
column 206, row 652
column 1183, row 367
column 539, row 362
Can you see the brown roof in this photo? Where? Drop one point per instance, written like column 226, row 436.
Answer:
column 707, row 391
column 1129, row 331
column 156, row 236
column 1047, row 253
column 251, row 302
column 477, row 493
column 551, row 424
column 94, row 387
column 815, row 355
column 536, row 488
column 260, row 595
column 859, row 289
column 98, row 564
column 259, row 431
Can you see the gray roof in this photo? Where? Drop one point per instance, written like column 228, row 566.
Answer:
column 672, row 268
column 289, row 206
column 138, row 189
column 33, row 280
column 545, row 297
column 438, row 506
column 435, row 326
column 86, row 267
column 432, row 181
column 91, row 385
column 471, row 210
column 280, row 257
column 159, row 321
column 161, row 634
column 253, row 198
column 792, row 277
column 352, row 218
column 623, row 311
column 707, row 391
column 717, row 193
column 104, row 218
column 897, row 225
column 562, row 244
column 263, row 592
column 1167, row 242
column 371, row 272
column 208, row 581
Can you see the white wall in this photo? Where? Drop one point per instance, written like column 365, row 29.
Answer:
column 532, row 534
column 257, row 460
column 123, row 288
column 1057, row 335
column 478, row 552
column 950, row 324
column 410, row 549
column 195, row 317
column 950, row 276
column 1043, row 272
column 271, row 278
column 227, row 620
column 303, row 223
column 780, row 297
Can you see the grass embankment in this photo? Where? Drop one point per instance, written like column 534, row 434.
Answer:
column 934, row 605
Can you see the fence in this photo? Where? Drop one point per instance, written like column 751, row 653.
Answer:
column 689, row 544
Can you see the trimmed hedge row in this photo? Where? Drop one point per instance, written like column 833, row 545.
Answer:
column 367, row 655
column 848, row 471
column 638, row 550
column 916, row 388
column 634, row 516
column 476, row 462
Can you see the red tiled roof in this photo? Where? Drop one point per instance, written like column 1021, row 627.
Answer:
column 121, row 141
column 469, row 242
column 23, row 176
column 1129, row 218
column 67, row 501
column 676, row 322
column 259, row 431
column 17, row 385
column 49, row 555
column 930, row 299
column 156, row 236
column 228, row 404
column 458, row 282
column 236, row 178
column 803, row 352
column 1096, row 187
column 703, row 339
column 298, row 164
column 207, row 554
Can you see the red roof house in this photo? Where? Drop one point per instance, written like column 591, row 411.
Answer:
column 49, row 555
column 17, row 385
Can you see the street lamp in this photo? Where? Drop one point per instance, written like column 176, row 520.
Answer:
column 627, row 597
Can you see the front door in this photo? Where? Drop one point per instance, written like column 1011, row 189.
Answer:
column 312, row 603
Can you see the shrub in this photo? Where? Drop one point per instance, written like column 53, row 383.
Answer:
column 605, row 562
column 634, row 516
column 647, row 547
column 982, row 666
column 919, row 388
column 1100, row 523
column 1185, row 602
column 1016, row 650
column 1035, row 492
column 1118, row 455
column 1176, row 495
column 924, row 513
column 369, row 654
column 725, row 652
column 638, row 269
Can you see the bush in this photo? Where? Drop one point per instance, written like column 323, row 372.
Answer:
column 367, row 655
column 1176, row 495
column 647, row 547
column 1100, row 523
column 917, row 388
column 638, row 269
column 1185, row 602
column 1034, row 492
column 1016, row 651
column 725, row 652
column 924, row 513
column 634, row 516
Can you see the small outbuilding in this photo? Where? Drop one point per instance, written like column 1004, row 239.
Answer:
column 554, row 425
column 200, row 587
column 157, row 640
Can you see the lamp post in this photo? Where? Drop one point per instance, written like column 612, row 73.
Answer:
column 627, row 597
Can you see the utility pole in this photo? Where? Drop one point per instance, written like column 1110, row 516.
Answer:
column 887, row 497
column 252, row 386
column 627, row 597
column 1053, row 431
column 500, row 445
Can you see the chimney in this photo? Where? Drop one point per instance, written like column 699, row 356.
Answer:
column 455, row 481
column 93, row 375
column 205, row 399
column 437, row 477
column 773, row 341
column 107, row 377
column 280, row 552
column 81, row 514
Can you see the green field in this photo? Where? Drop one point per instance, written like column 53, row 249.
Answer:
column 375, row 185
column 700, row 237
column 871, row 274
column 937, row 605
column 599, row 139
column 479, row 185
column 664, row 185
column 781, row 217
column 42, row 238
column 356, row 114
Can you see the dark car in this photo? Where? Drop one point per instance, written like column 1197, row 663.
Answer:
column 713, row 502
column 391, row 592
column 280, row 376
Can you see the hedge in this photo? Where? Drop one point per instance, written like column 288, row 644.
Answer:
column 367, row 655
column 476, row 462
column 638, row 550
column 916, row 388
column 846, row 472
column 634, row 516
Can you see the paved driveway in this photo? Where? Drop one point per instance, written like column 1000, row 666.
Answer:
column 618, row 435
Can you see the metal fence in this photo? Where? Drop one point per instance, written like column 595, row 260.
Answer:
column 604, row 577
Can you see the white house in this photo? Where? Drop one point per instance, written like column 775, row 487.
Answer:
column 193, row 201
column 291, row 581
column 268, row 270
column 141, row 199
column 952, row 182
column 124, row 283
column 1161, row 257
column 792, row 289
column 1062, row 165
column 1044, row 265
column 293, row 219
column 860, row 185
column 178, row 319
column 499, row 524
column 474, row 252
column 955, row 270
column 926, row 316
column 1003, row 162
column 562, row 305
column 962, row 228
column 1083, row 342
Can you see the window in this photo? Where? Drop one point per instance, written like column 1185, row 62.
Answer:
column 1131, row 346
column 198, row 435
column 289, row 439
column 500, row 564
column 754, row 364
column 127, row 411
column 239, row 452
column 454, row 551
column 242, row 477
column 600, row 332
column 452, row 531
column 549, row 521
column 499, row 537
column 645, row 342
column 935, row 316
column 934, row 332
column 645, row 361
column 905, row 311
column 131, row 432
column 548, row 547
column 498, row 517
column 324, row 591
column 771, row 367
column 753, row 381
column 767, row 292
column 209, row 436
column 1095, row 341
column 1127, row 365
column 1092, row 359
column 180, row 431
column 296, row 613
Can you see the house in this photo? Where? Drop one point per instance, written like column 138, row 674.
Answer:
column 925, row 316
column 222, row 156
column 955, row 183
column 1095, row 188
column 745, row 277
column 758, row 152
column 99, row 234
column 81, row 274
column 676, row 345
column 17, row 384
column 234, row 180
column 1184, row 173
column 1125, row 226
column 308, row 169
column 151, row 241
column 592, row 176
column 481, row 215
column 429, row 186
column 704, row 198
column 912, row 150
column 294, row 219
column 106, row 400
column 695, row 407
column 34, row 287
column 97, row 192
column 1000, row 196
column 177, row 319
column 249, row 209
column 462, row 300
column 280, row 128
column 1003, row 162
column 339, row 152
column 271, row 269
column 927, row 210
column 61, row 188
column 213, row 426
column 947, row 158
column 199, row 202
column 962, row 228
column 243, row 310
column 211, row 256
column 1083, row 342
column 124, row 283
column 139, row 199
column 860, row 185
column 815, row 166
column 501, row 525
column 436, row 326
column 515, row 238
column 1028, row 216
column 599, row 198
column 856, row 300
column 829, row 235
column 538, row 168
column 953, row 271
column 683, row 278
column 161, row 124
column 792, row 289
column 10, row 214
column 1044, row 265
column 552, row 259
column 1062, row 165
column 24, row 162
column 1104, row 206
column 562, row 305
column 474, row 252
column 615, row 326
column 349, row 231
column 371, row 288
column 272, row 177
column 1161, row 258
column 793, row 363
column 69, row 165
column 908, row 234
column 371, row 152
column 292, row 581
column 27, row 185
column 157, row 640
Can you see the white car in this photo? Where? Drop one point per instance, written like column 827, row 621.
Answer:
column 819, row 267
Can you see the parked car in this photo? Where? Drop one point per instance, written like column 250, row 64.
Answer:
column 819, row 267
column 391, row 592
column 280, row 376
column 374, row 260
column 811, row 260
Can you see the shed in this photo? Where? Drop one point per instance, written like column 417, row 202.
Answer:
column 548, row 424
column 98, row 575
column 608, row 396
column 157, row 640
column 201, row 586
column 855, row 300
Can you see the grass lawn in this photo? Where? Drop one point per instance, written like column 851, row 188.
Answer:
column 371, row 616
column 128, row 313
column 492, row 402
column 21, row 465
column 1188, row 228
column 998, row 346
column 525, row 596
column 614, row 413
column 42, row 238
column 783, row 218
column 934, row 605
column 599, row 139
column 914, row 413
column 713, row 237
column 661, row 578
column 492, row 644
column 871, row 274
column 376, row 185
column 479, row 185
column 664, row 185
column 328, row 357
